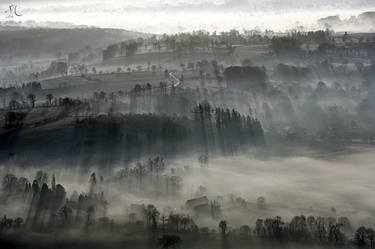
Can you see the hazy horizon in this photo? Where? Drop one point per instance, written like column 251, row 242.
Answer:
column 155, row 16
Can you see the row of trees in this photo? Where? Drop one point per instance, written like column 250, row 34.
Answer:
column 196, row 40
column 173, row 227
column 50, row 100
column 322, row 230
column 150, row 177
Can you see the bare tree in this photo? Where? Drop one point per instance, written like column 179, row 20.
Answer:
column 371, row 236
column 49, row 98
column 223, row 228
column 32, row 99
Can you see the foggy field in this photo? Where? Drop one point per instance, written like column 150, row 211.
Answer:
column 163, row 124
column 310, row 186
column 76, row 86
column 331, row 185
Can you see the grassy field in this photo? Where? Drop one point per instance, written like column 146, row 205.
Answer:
column 77, row 86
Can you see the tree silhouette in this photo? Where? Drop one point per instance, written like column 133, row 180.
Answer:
column 49, row 98
column 89, row 217
column 32, row 99
column 223, row 228
column 360, row 236
column 371, row 236
column 18, row 222
column 65, row 215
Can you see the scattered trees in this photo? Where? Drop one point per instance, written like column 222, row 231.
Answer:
column 50, row 210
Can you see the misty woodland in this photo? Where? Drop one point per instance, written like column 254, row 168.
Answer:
column 187, row 124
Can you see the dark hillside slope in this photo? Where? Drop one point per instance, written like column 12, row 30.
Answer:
column 36, row 41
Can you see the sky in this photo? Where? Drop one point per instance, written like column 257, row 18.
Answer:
column 166, row 16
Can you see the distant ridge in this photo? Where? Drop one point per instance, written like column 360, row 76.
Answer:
column 13, row 25
column 40, row 38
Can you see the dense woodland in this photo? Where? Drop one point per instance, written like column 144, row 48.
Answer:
column 132, row 135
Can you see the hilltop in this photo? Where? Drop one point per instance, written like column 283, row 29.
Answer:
column 50, row 39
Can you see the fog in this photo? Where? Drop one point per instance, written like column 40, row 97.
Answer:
column 245, row 123
column 324, row 184
column 172, row 16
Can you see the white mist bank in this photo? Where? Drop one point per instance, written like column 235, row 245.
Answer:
column 291, row 186
column 298, row 185
column 166, row 17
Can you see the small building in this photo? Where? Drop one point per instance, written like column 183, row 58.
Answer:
column 198, row 206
